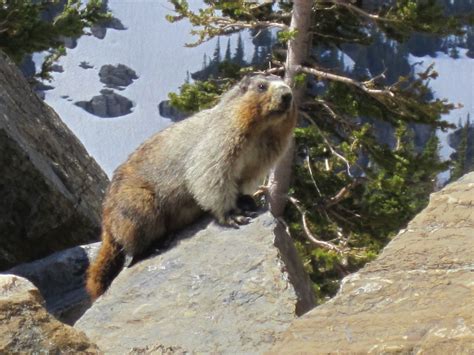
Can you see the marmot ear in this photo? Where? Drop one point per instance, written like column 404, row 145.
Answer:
column 245, row 83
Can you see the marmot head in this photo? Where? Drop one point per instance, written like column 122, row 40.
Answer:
column 262, row 100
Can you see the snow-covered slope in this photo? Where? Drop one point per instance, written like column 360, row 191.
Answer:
column 154, row 49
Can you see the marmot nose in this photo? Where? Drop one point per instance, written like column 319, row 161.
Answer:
column 287, row 97
column 286, row 100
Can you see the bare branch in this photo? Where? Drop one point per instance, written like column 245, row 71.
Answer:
column 311, row 237
column 346, row 80
column 377, row 77
column 343, row 193
column 327, row 108
column 274, row 70
column 228, row 22
column 308, row 163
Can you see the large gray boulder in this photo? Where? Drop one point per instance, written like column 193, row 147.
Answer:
column 217, row 290
column 50, row 188
column 417, row 297
column 26, row 327
column 60, row 279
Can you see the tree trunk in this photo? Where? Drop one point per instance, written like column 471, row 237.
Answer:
column 298, row 49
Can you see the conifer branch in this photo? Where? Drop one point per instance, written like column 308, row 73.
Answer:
column 329, row 145
column 345, row 122
column 361, row 12
column 335, row 38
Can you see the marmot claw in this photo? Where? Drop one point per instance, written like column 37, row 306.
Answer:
column 235, row 220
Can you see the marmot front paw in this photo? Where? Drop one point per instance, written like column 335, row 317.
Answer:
column 234, row 219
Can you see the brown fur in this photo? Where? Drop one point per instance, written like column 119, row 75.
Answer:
column 198, row 165
column 106, row 267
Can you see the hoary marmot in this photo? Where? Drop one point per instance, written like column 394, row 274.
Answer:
column 201, row 164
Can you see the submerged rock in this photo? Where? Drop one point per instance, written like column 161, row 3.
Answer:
column 107, row 104
column 168, row 111
column 100, row 30
column 86, row 65
column 117, row 77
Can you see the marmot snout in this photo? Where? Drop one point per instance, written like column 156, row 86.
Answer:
column 283, row 100
column 205, row 163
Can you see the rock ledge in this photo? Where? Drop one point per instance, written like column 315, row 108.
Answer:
column 417, row 297
column 218, row 290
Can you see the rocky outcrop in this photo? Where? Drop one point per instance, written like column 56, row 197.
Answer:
column 60, row 279
column 26, row 327
column 118, row 76
column 417, row 297
column 217, row 290
column 107, row 104
column 50, row 188
column 167, row 111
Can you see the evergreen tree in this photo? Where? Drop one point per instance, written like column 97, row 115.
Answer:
column 216, row 57
column 228, row 55
column 470, row 42
column 24, row 29
column 239, row 55
column 256, row 58
column 351, row 190
column 204, row 61
column 461, row 161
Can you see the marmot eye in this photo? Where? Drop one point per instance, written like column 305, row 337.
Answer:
column 262, row 87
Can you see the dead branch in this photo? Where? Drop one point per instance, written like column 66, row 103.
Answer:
column 343, row 193
column 308, row 164
column 225, row 21
column 344, row 79
column 310, row 236
column 274, row 70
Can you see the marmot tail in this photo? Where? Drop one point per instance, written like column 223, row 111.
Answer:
column 106, row 267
